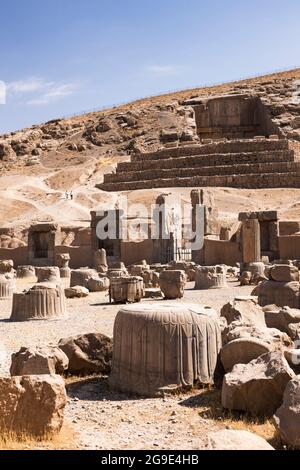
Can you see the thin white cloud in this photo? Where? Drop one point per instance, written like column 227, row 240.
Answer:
column 62, row 90
column 39, row 92
column 161, row 70
column 53, row 93
column 29, row 85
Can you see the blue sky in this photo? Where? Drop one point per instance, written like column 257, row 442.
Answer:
column 66, row 56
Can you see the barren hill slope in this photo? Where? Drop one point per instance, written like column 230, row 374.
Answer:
column 38, row 165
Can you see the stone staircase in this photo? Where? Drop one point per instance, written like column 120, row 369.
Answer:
column 266, row 163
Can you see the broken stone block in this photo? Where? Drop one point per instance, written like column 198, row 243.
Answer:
column 76, row 292
column 274, row 338
column 254, row 268
column 246, row 278
column 284, row 273
column 38, row 361
column 153, row 293
column 172, row 284
column 293, row 331
column 81, row 277
column 101, row 261
column 287, row 417
column 98, row 284
column 50, row 274
column 282, row 294
column 151, row 279
column 25, row 271
column 210, row 277
column 32, row 405
column 257, row 387
column 126, row 289
column 7, row 286
column 293, row 358
column 6, row 266
column 242, row 351
column 246, row 311
column 117, row 270
column 88, row 354
column 187, row 266
column 282, row 319
column 62, row 261
column 169, row 136
column 229, row 439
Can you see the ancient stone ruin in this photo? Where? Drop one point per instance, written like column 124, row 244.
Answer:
column 87, row 354
column 128, row 289
column 236, row 131
column 189, row 333
column 260, row 231
column 45, row 360
column 41, row 302
column 51, row 274
column 282, row 289
column 22, row 399
column 62, row 261
column 211, row 277
column 25, row 271
column 89, row 279
column 101, row 261
column 237, row 342
column 42, row 239
column 172, row 284
column 7, row 286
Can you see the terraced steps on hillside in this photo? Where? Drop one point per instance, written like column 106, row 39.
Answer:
column 248, row 181
column 235, row 146
column 274, row 167
column 213, row 160
column 243, row 163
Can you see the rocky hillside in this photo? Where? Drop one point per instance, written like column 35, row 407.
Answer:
column 38, row 165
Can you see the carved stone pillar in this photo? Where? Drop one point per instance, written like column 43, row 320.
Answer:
column 251, row 248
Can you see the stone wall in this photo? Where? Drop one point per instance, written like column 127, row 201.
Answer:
column 289, row 227
column 255, row 163
column 246, row 181
column 207, row 170
column 235, row 146
column 217, row 159
column 80, row 255
column 289, row 247
column 134, row 252
column 233, row 116
column 221, row 252
column 18, row 255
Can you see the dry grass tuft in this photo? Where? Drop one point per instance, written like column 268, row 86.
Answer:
column 65, row 440
column 208, row 404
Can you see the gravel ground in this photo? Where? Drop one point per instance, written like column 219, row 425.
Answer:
column 103, row 419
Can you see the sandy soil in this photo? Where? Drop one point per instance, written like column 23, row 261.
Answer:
column 98, row 418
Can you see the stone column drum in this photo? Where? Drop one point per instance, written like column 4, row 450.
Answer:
column 7, row 286
column 164, row 347
column 62, row 261
column 211, row 277
column 41, row 302
column 101, row 261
